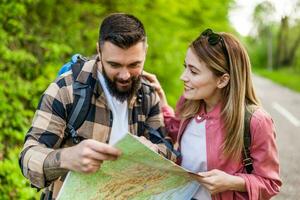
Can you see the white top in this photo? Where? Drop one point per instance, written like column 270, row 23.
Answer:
column 119, row 111
column 193, row 149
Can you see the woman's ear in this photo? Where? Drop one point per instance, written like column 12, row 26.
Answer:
column 223, row 81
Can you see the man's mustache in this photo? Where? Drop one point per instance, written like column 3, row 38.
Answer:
column 123, row 81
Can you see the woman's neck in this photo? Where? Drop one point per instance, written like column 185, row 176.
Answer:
column 212, row 102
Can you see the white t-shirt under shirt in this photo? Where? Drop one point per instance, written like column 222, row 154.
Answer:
column 119, row 111
column 193, row 150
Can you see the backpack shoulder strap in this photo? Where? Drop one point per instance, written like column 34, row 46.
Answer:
column 247, row 160
column 82, row 94
column 144, row 99
column 147, row 92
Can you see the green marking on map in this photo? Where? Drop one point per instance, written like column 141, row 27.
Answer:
column 139, row 173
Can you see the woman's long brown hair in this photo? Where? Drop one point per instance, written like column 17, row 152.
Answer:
column 236, row 96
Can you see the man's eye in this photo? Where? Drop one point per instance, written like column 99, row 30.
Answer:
column 114, row 65
column 135, row 65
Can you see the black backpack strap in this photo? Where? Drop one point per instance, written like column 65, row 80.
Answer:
column 145, row 98
column 167, row 143
column 247, row 160
column 82, row 94
column 147, row 90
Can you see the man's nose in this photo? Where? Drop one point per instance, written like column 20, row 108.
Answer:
column 124, row 73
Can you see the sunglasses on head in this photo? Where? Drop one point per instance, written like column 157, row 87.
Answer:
column 215, row 38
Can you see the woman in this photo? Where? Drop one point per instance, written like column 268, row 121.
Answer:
column 208, row 122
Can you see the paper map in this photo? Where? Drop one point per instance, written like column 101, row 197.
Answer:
column 139, row 173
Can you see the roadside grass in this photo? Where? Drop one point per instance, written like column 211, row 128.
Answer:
column 287, row 77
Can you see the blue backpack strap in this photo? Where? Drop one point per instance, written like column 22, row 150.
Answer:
column 67, row 67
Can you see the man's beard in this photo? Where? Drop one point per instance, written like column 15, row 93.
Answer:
column 122, row 95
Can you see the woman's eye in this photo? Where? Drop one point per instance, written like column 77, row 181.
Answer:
column 193, row 71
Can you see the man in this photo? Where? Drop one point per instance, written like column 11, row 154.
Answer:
column 115, row 109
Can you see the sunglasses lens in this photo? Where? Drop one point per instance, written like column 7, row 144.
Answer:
column 213, row 39
column 207, row 32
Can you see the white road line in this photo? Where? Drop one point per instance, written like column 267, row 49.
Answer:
column 286, row 114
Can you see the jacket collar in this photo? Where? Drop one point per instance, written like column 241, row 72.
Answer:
column 213, row 114
column 88, row 72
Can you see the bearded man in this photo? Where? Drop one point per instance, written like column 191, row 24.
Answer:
column 116, row 108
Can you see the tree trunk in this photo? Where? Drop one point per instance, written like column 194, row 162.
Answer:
column 292, row 53
column 282, row 42
column 270, row 50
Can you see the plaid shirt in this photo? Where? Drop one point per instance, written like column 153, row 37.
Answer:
column 40, row 157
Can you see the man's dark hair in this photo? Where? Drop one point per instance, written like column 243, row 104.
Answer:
column 123, row 30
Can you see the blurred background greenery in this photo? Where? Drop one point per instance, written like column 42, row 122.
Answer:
column 37, row 37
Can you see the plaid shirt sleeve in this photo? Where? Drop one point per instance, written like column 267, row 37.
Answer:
column 39, row 159
column 156, row 121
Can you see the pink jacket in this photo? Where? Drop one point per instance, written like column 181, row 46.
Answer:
column 264, row 181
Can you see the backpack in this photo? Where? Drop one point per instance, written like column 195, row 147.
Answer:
column 247, row 160
column 82, row 99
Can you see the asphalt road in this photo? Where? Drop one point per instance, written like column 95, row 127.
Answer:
column 284, row 107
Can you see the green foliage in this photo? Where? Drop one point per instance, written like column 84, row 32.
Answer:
column 37, row 37
column 257, row 51
column 276, row 44
column 287, row 77
column 12, row 184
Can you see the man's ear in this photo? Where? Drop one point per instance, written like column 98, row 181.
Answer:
column 146, row 48
column 223, row 80
column 97, row 46
column 98, row 49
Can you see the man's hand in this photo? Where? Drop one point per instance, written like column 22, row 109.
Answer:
column 216, row 181
column 87, row 156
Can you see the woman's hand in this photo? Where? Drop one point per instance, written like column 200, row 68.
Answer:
column 155, row 83
column 216, row 181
